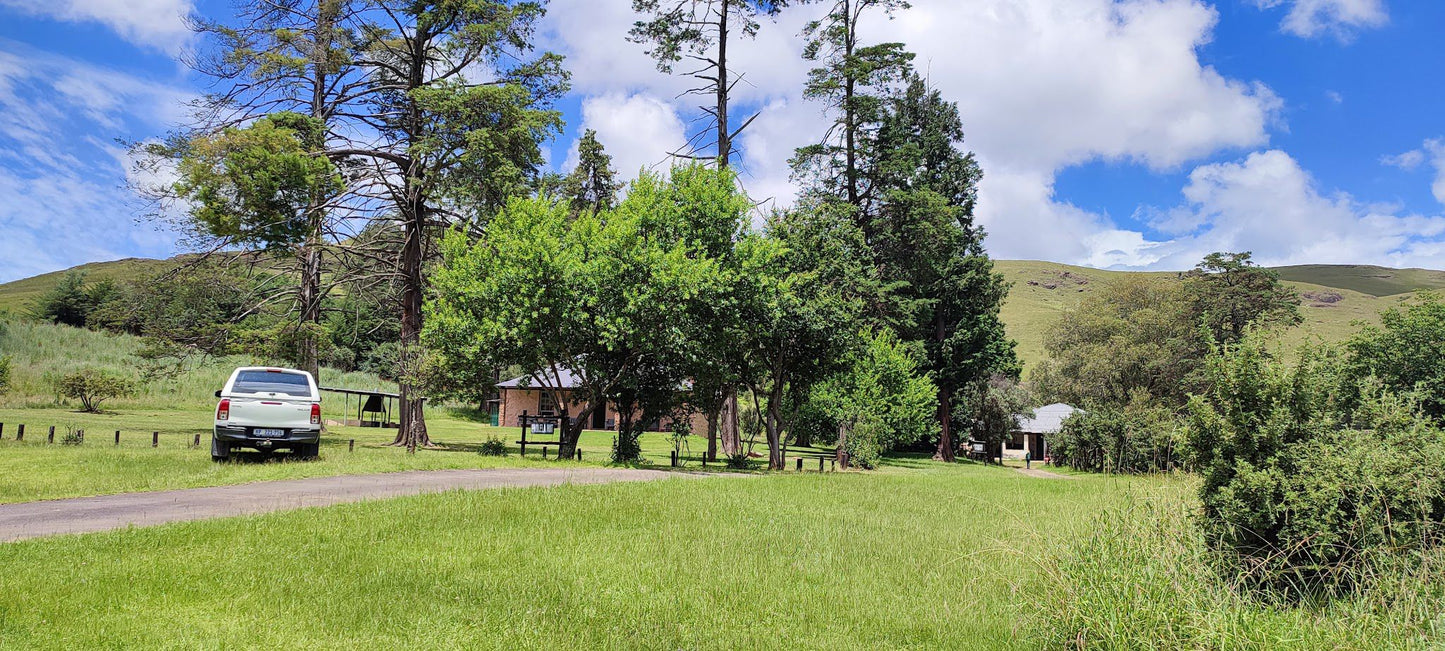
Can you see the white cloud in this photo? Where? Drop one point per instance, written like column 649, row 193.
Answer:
column 1267, row 203
column 639, row 131
column 1335, row 97
column 158, row 24
column 1339, row 18
column 1406, row 161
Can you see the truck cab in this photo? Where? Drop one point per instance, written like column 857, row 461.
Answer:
column 266, row 409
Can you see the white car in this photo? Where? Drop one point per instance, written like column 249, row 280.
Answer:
column 268, row 409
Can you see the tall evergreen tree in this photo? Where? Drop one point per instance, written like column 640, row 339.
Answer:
column 592, row 187
column 854, row 80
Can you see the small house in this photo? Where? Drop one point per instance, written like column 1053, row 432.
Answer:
column 1031, row 435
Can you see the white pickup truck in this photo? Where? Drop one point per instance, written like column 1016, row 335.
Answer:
column 268, row 409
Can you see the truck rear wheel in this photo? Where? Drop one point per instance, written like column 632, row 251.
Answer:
column 308, row 450
column 220, row 450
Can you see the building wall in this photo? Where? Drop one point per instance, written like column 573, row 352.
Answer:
column 515, row 401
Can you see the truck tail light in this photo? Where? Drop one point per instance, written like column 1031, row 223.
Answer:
column 223, row 410
column 315, row 413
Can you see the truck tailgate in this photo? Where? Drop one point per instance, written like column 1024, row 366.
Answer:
column 271, row 413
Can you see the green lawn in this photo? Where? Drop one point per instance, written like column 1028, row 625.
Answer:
column 919, row 555
column 35, row 470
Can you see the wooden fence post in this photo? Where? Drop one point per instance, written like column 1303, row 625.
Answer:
column 117, row 437
column 2, row 430
column 52, row 435
column 820, row 464
column 155, row 439
column 674, row 458
column 579, row 453
column 800, row 464
column 197, row 441
column 80, row 434
column 20, row 432
column 351, row 447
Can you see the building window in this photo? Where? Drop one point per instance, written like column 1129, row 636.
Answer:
column 545, row 404
column 1016, row 442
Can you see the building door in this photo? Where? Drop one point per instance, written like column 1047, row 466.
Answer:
column 494, row 412
column 599, row 417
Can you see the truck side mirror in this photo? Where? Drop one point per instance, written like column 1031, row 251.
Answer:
column 218, row 393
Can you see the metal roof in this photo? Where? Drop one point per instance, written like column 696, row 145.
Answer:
column 569, row 381
column 1045, row 420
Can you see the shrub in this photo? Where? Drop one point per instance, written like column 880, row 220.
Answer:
column 1137, row 438
column 1309, row 480
column 5, row 363
column 93, row 386
column 741, row 461
column 494, row 447
column 627, row 448
column 72, row 436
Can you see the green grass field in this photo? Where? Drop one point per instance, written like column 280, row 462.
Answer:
column 927, row 556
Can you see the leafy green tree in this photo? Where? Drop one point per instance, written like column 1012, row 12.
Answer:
column 603, row 298
column 815, row 281
column 1131, row 337
column 853, row 81
column 882, row 400
column 1407, row 352
column 1229, row 292
column 994, row 406
column 702, row 30
column 93, row 387
column 254, row 185
column 592, row 186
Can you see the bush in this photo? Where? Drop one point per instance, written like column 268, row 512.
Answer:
column 1137, row 438
column 494, row 447
column 627, row 448
column 741, row 461
column 1145, row 579
column 5, row 363
column 1310, row 480
column 93, row 386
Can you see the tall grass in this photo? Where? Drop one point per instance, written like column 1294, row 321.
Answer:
column 44, row 352
column 1145, row 579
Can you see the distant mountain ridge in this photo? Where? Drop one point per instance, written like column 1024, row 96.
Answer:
column 1335, row 297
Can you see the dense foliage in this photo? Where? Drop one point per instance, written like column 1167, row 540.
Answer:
column 1309, row 472
column 1136, row 438
column 1407, row 352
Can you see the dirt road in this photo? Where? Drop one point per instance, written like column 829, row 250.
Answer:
column 102, row 513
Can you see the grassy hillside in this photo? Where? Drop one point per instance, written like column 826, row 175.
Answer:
column 1335, row 297
column 42, row 352
column 18, row 296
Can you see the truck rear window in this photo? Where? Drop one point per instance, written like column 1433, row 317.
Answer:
column 291, row 384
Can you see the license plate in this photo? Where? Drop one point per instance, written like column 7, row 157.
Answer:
column 270, row 433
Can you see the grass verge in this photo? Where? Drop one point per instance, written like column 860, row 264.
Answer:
column 928, row 558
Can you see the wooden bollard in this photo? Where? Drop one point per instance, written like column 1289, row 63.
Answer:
column 544, row 453
column 196, row 442
column 579, row 454
column 20, row 432
column 2, row 430
column 117, row 437
column 52, row 435
column 351, row 447
column 80, row 434
column 820, row 464
column 800, row 464
column 155, row 439
column 674, row 458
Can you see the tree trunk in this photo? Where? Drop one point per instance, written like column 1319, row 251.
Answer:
column 850, row 126
column 412, row 432
column 777, row 455
column 732, row 442
column 713, row 412
column 309, row 298
column 946, row 446
column 724, row 139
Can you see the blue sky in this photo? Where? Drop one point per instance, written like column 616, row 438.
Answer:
column 1113, row 133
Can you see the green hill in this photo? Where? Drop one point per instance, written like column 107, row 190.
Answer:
column 17, row 297
column 1335, row 296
